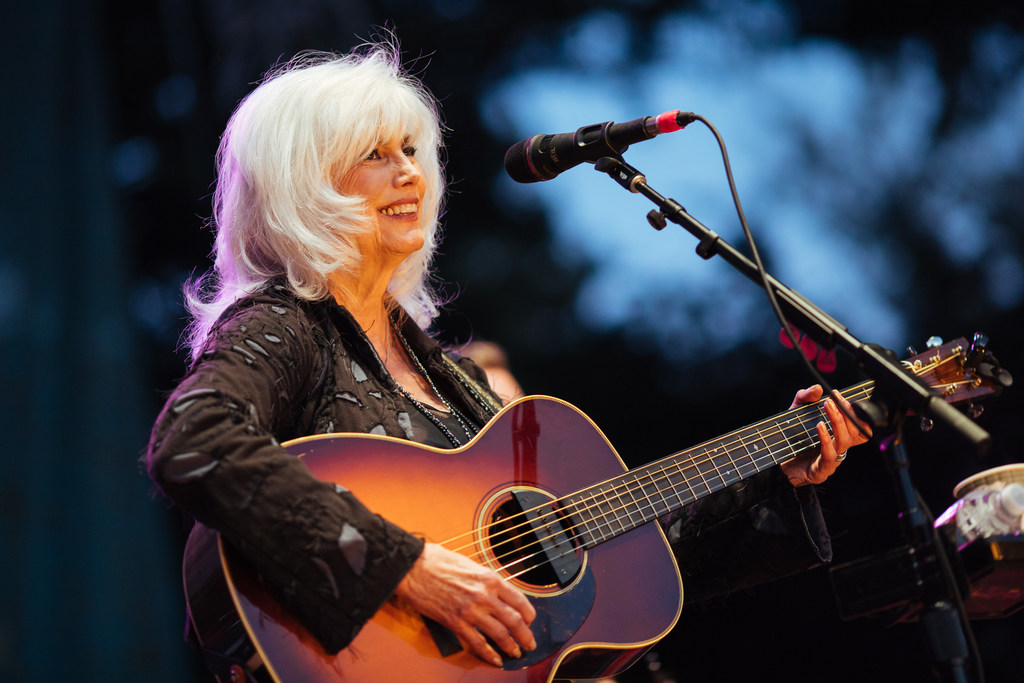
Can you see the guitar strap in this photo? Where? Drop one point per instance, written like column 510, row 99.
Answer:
column 483, row 396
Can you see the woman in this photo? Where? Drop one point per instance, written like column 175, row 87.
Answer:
column 326, row 208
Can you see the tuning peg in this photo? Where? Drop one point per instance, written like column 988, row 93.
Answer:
column 911, row 351
column 980, row 341
column 992, row 371
column 933, row 342
column 974, row 410
column 926, row 424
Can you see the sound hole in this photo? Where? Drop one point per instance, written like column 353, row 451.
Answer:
column 532, row 541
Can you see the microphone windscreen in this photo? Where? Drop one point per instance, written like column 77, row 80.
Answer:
column 517, row 163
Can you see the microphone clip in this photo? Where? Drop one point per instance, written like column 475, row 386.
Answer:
column 621, row 172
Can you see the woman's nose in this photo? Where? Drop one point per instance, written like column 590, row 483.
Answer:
column 408, row 171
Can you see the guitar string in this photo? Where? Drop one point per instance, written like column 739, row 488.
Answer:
column 592, row 501
column 798, row 417
column 604, row 527
column 671, row 467
column 672, row 463
column 608, row 522
column 604, row 519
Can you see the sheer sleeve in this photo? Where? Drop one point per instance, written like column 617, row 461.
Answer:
column 752, row 532
column 214, row 451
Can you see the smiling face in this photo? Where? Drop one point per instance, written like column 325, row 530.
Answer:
column 390, row 180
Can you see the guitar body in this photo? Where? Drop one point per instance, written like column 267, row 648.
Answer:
column 614, row 601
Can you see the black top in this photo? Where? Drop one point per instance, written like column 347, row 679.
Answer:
column 276, row 368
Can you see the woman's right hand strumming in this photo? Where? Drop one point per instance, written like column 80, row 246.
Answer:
column 471, row 600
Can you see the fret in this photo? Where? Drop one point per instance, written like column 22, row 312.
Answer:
column 573, row 507
column 684, row 483
column 789, row 450
column 768, row 445
column 645, row 494
column 796, row 440
column 806, row 423
column 645, row 491
column 601, row 528
column 613, row 514
column 652, row 501
column 818, row 415
column 801, row 437
column 778, row 446
column 671, row 480
column 750, row 467
column 764, row 451
column 637, row 514
column 735, row 473
column 590, row 517
column 720, row 466
column 725, row 467
column 677, row 485
column 711, row 469
column 697, row 467
column 609, row 515
column 691, row 473
column 633, row 505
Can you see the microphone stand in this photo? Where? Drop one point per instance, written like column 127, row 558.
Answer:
column 896, row 393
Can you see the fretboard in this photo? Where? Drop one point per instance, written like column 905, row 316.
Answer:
column 641, row 495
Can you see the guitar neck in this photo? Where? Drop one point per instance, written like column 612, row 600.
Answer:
column 613, row 507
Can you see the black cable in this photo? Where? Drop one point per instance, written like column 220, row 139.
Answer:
column 946, row 568
column 827, row 388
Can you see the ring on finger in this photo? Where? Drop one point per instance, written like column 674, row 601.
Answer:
column 840, row 457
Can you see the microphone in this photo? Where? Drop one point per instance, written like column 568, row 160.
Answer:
column 543, row 157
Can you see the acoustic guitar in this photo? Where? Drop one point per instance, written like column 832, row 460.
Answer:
column 540, row 496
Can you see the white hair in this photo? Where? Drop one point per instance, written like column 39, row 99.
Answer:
column 277, row 208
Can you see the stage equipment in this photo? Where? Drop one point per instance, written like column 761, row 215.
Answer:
column 897, row 395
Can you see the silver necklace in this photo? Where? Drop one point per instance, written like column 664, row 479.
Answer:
column 427, row 412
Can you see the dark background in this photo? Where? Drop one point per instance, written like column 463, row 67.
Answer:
column 111, row 116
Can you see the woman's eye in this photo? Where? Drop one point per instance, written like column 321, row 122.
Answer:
column 409, row 151
column 373, row 156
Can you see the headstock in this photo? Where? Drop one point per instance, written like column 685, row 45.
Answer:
column 960, row 372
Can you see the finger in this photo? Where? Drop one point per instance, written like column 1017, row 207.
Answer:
column 840, row 432
column 476, row 643
column 516, row 624
column 859, row 430
column 520, row 614
column 828, row 449
column 808, row 395
column 499, row 634
column 826, row 464
column 518, row 602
